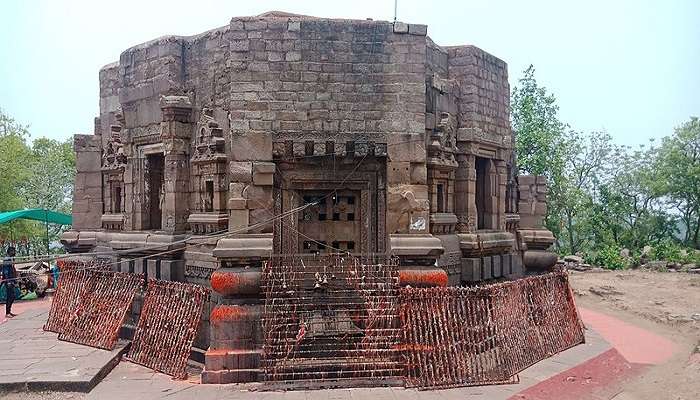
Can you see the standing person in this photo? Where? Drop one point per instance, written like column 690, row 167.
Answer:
column 7, row 278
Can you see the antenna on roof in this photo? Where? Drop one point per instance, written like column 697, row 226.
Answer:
column 395, row 5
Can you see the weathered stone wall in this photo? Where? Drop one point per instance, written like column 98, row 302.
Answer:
column 532, row 200
column 281, row 76
column 484, row 98
column 87, row 195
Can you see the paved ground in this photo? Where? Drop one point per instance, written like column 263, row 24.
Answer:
column 33, row 359
column 594, row 370
column 130, row 380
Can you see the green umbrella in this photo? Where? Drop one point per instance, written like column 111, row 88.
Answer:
column 38, row 214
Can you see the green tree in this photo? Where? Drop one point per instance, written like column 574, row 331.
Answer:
column 14, row 154
column 591, row 161
column 39, row 174
column 679, row 173
column 541, row 140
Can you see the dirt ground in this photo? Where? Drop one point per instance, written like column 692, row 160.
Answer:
column 666, row 303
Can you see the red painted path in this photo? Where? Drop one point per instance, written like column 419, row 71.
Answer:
column 634, row 349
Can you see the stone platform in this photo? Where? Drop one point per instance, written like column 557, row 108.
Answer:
column 35, row 360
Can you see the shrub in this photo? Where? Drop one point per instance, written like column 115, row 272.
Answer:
column 668, row 250
column 609, row 257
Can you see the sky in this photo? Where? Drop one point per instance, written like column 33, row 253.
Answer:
column 631, row 68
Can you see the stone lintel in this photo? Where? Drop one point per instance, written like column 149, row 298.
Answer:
column 79, row 241
column 146, row 242
column 415, row 246
column 486, row 242
column 539, row 239
column 208, row 218
column 244, row 247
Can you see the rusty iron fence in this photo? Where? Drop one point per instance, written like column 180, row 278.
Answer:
column 73, row 275
column 330, row 321
column 102, row 305
column 488, row 334
column 167, row 326
column 333, row 321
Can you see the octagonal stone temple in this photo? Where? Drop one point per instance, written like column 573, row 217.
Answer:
column 384, row 141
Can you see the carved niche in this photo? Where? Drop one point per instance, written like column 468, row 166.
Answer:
column 209, row 170
column 114, row 161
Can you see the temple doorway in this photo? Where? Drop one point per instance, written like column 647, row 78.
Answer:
column 155, row 164
column 485, row 196
column 332, row 224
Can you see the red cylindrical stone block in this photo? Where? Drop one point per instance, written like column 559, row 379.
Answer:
column 423, row 277
column 236, row 281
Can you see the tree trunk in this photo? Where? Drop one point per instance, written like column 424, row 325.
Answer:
column 569, row 227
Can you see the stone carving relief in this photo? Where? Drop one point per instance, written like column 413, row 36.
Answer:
column 447, row 125
column 410, row 213
column 113, row 156
column 209, row 141
column 443, row 141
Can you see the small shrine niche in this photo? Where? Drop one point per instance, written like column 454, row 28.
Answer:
column 441, row 174
column 113, row 164
column 208, row 160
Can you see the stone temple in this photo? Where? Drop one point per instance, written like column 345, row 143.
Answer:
column 405, row 146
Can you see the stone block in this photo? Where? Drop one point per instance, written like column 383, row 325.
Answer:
column 540, row 208
column 260, row 197
column 172, row 270
column 240, row 171
column 251, row 147
column 293, row 56
column 260, row 218
column 419, row 174
column 526, row 180
column 215, row 360
column 406, row 147
column 496, row 266
column 153, row 269
column 423, row 277
column 400, row 27
column 506, row 264
column 237, row 204
column 398, row 172
column 517, row 265
column 486, row 268
column 263, row 173
column 471, row 269
column 238, row 219
column 239, row 45
column 234, row 282
column 235, row 327
column 418, row 29
column 88, row 162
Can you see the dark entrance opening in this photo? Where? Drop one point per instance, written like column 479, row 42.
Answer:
column 484, row 193
column 155, row 163
column 117, row 199
column 209, row 199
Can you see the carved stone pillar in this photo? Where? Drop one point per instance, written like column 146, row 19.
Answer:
column 464, row 195
column 534, row 239
column 502, row 184
column 176, row 133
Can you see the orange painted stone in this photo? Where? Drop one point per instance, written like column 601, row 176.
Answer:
column 223, row 313
column 423, row 277
column 230, row 282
